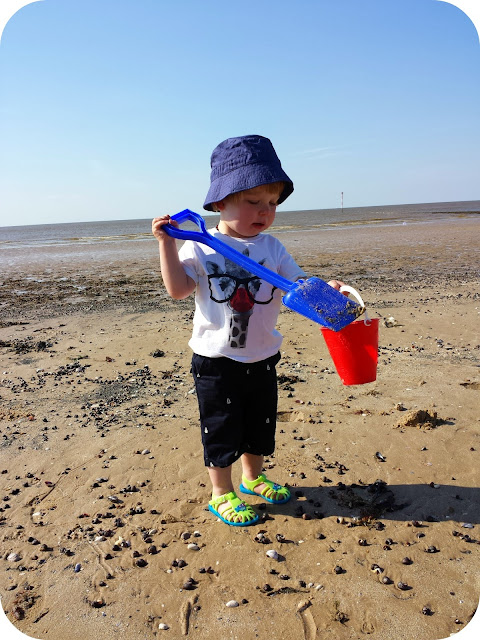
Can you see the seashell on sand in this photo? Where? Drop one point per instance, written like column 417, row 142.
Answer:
column 232, row 603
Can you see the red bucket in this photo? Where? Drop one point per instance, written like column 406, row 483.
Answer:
column 354, row 349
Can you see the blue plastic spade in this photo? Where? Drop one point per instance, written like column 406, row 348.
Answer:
column 312, row 298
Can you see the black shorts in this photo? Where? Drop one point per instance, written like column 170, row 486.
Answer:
column 238, row 407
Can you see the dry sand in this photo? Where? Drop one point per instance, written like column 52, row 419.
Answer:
column 97, row 403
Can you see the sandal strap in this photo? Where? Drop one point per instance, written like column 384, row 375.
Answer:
column 236, row 507
column 269, row 488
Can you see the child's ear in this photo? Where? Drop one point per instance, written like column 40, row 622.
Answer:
column 220, row 206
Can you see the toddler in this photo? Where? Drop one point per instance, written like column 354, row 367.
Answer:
column 235, row 343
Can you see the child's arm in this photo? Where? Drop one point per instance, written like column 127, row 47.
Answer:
column 176, row 281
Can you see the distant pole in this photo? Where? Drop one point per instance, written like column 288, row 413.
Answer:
column 342, row 201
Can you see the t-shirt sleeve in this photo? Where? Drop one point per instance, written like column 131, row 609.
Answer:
column 287, row 267
column 189, row 260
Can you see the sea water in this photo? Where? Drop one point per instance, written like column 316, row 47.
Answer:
column 103, row 241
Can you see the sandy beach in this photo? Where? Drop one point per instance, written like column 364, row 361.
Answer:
column 105, row 530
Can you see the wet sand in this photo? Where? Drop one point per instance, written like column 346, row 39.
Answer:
column 102, row 476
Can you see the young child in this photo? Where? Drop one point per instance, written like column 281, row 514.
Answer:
column 234, row 340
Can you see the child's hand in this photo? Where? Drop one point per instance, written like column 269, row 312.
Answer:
column 336, row 284
column 158, row 232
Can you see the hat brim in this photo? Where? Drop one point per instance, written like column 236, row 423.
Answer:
column 240, row 180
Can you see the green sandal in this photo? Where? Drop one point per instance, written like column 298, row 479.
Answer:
column 248, row 486
column 236, row 508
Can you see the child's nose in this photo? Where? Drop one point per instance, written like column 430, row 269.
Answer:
column 267, row 208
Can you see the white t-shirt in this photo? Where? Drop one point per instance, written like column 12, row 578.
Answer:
column 235, row 311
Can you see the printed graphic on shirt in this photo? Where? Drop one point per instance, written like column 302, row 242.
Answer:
column 240, row 290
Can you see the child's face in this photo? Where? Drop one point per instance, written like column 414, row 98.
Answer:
column 251, row 212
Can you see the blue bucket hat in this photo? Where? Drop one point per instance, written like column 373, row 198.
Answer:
column 244, row 163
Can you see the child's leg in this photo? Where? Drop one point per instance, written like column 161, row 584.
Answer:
column 252, row 468
column 251, row 465
column 220, row 402
column 221, row 479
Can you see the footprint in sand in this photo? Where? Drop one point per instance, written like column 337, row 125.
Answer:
column 309, row 626
column 367, row 627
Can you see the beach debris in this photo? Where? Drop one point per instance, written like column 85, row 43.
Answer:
column 467, row 525
column 205, row 570
column 14, row 557
column 407, row 560
column 271, row 553
column 78, row 567
column 399, row 406
column 232, row 603
column 141, row 562
column 380, row 457
column 179, row 562
column 471, row 385
column 98, row 603
column 390, row 322
column 371, row 501
column 163, row 627
column 376, row 568
column 18, row 613
column 189, row 585
column 403, row 586
column 158, row 353
column 193, row 547
column 432, row 549
column 338, row 570
column 427, row 611
column 387, row 580
column 302, row 605
column 422, row 418
column 261, row 538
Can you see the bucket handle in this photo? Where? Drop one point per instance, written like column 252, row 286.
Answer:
column 348, row 289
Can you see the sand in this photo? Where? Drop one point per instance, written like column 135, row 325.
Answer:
column 102, row 468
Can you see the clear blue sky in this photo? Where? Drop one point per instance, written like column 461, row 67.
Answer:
column 109, row 109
